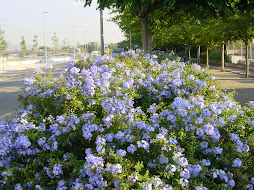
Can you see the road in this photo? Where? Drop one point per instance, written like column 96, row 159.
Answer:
column 9, row 89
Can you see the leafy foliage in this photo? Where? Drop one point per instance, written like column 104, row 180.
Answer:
column 3, row 44
column 23, row 45
column 55, row 41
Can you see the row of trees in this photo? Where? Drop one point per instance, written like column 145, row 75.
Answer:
column 23, row 46
column 65, row 47
column 166, row 23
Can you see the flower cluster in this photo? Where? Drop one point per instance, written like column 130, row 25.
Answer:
column 133, row 122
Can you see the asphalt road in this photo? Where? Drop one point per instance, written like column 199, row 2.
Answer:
column 10, row 88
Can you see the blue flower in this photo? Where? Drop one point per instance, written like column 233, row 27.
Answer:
column 38, row 187
column 133, row 178
column 29, row 81
column 116, row 169
column 143, row 144
column 249, row 186
column 60, row 119
column 195, row 169
column 61, row 185
column 41, row 141
column 217, row 150
column 206, row 162
column 203, row 145
column 156, row 181
column 18, row 187
column 57, row 170
column 234, row 137
column 251, row 103
column 252, row 180
column 22, row 142
column 230, row 183
column 237, row 163
column 185, row 174
column 200, row 188
column 121, row 152
column 132, row 148
column 182, row 162
column 184, row 182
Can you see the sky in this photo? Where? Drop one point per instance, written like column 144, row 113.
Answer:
column 67, row 18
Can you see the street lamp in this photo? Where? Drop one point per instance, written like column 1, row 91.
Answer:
column 85, row 37
column 73, row 35
column 45, row 48
column 102, row 35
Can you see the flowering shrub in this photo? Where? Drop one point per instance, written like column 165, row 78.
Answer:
column 137, row 122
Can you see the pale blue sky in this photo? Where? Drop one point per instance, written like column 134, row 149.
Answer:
column 25, row 17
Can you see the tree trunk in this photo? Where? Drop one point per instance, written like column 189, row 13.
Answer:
column 189, row 54
column 144, row 18
column 150, row 40
column 246, row 58
column 185, row 54
column 198, row 54
column 222, row 56
column 207, row 57
column 102, row 34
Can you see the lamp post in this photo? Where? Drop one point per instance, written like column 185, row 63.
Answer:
column 73, row 35
column 85, row 30
column 45, row 48
column 102, row 35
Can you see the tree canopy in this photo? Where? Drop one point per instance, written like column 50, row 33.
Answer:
column 142, row 9
column 3, row 44
column 23, row 45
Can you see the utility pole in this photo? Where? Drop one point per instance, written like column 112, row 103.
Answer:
column 45, row 48
column 74, row 35
column 102, row 36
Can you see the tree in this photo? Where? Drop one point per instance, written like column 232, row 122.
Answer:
column 130, row 26
column 66, row 45
column 55, row 41
column 23, row 46
column 243, row 27
column 112, row 45
column 43, row 48
column 92, row 46
column 3, row 44
column 206, row 35
column 137, row 8
column 35, row 44
column 221, row 32
column 142, row 9
column 123, row 44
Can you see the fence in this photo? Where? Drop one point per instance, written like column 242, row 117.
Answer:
column 236, row 52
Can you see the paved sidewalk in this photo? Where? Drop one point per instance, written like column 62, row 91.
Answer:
column 234, row 79
column 231, row 69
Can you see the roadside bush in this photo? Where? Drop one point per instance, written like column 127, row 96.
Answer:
column 137, row 122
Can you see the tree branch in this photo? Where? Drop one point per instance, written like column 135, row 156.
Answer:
column 153, row 8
